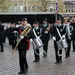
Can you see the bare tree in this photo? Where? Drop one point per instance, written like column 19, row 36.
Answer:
column 4, row 5
column 1, row 1
column 61, row 6
column 45, row 4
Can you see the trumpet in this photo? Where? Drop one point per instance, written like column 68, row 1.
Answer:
column 24, row 33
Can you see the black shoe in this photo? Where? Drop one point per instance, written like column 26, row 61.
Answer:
column 56, row 62
column 66, row 56
column 21, row 72
column 60, row 61
column 2, row 51
column 73, row 51
column 36, row 60
column 26, row 70
column 45, row 55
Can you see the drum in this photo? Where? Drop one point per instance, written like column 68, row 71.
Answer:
column 62, row 43
column 37, row 41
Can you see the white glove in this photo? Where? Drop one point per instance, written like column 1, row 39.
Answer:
column 31, row 40
column 54, row 39
column 22, row 37
column 15, row 31
column 63, row 36
column 46, row 32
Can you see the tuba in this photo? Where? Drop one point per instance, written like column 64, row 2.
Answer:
column 24, row 33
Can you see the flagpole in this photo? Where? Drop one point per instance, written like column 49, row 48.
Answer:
column 56, row 11
column 56, row 16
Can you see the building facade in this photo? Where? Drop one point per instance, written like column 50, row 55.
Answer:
column 31, row 5
column 21, row 6
column 70, row 6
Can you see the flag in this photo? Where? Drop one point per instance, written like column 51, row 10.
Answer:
column 56, row 6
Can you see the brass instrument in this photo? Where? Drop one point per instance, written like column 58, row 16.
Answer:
column 48, row 28
column 24, row 33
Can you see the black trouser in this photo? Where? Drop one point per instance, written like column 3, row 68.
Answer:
column 22, row 60
column 58, row 58
column 45, row 47
column 69, row 47
column 73, row 42
column 4, row 38
column 1, row 44
column 36, row 52
column 13, row 43
column 9, row 39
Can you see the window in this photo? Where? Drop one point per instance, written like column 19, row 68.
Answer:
column 21, row 8
column 66, row 10
column 21, row 2
column 71, row 6
column 51, row 10
column 15, row 8
column 38, row 8
column 72, row 10
column 29, row 8
column 10, row 8
column 15, row 3
column 33, row 8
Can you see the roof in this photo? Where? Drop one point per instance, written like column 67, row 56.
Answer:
column 27, row 13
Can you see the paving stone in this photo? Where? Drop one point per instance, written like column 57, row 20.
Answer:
column 46, row 66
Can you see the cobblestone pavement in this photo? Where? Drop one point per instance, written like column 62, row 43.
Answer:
column 46, row 66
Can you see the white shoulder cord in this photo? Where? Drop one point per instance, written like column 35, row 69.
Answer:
column 60, row 38
column 58, row 33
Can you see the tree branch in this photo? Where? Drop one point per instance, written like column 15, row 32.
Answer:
column 1, row 1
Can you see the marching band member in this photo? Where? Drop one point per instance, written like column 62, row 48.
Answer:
column 69, row 29
column 45, row 36
column 73, row 33
column 23, row 47
column 13, row 35
column 56, row 38
column 1, row 37
column 37, row 31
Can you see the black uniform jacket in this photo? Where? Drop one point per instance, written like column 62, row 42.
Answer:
column 45, row 36
column 73, row 25
column 24, row 44
column 37, row 31
column 1, row 31
column 11, row 34
column 55, row 33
